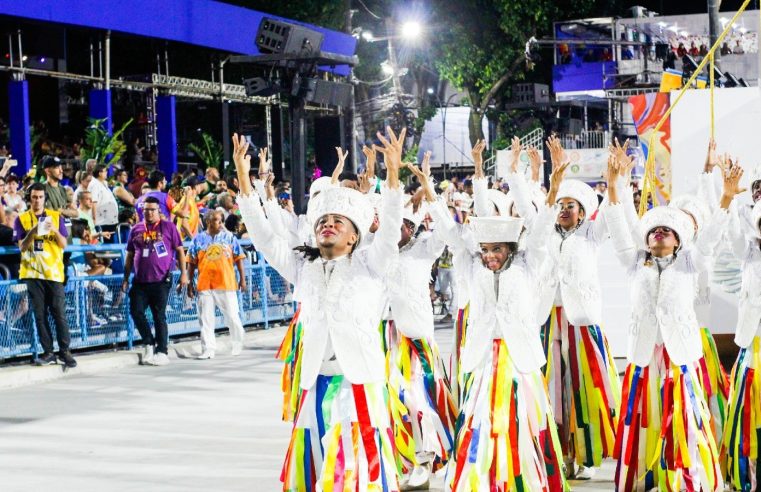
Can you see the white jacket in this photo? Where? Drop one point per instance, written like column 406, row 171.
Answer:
column 345, row 310
column 747, row 248
column 662, row 303
column 511, row 315
column 570, row 264
column 407, row 281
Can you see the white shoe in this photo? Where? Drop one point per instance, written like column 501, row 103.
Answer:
column 237, row 349
column 207, row 354
column 419, row 478
column 585, row 473
column 160, row 359
column 147, row 359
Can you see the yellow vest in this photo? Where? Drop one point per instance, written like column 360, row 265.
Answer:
column 45, row 260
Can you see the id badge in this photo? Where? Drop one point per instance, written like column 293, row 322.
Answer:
column 146, row 252
column 38, row 248
column 160, row 248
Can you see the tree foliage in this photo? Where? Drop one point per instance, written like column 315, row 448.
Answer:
column 208, row 150
column 481, row 43
column 99, row 145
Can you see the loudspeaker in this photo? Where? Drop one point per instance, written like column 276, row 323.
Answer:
column 278, row 37
column 325, row 92
column 260, row 87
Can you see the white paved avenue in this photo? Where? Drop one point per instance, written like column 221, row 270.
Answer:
column 190, row 426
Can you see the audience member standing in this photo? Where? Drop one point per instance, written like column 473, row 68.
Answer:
column 41, row 235
column 156, row 189
column 106, row 209
column 151, row 249
column 55, row 194
column 214, row 252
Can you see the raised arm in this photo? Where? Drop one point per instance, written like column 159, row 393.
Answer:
column 706, row 187
column 518, row 186
column 709, row 238
column 274, row 248
column 384, row 248
column 620, row 233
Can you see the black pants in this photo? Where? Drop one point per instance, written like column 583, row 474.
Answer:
column 48, row 297
column 153, row 295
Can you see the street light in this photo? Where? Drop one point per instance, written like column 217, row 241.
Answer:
column 411, row 30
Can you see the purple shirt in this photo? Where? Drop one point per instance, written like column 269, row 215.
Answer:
column 165, row 201
column 20, row 232
column 154, row 249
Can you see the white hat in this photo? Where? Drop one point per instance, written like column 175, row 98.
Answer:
column 671, row 217
column 582, row 193
column 693, row 207
column 756, row 217
column 320, row 184
column 496, row 229
column 537, row 199
column 342, row 201
column 499, row 200
column 408, row 212
column 755, row 175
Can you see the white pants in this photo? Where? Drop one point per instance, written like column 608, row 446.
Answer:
column 227, row 302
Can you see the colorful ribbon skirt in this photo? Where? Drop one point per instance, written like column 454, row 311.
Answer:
column 715, row 383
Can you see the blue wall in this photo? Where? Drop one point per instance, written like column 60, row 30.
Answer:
column 199, row 22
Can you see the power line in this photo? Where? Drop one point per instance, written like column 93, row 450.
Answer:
column 369, row 11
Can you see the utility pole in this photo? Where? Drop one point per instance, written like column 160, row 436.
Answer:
column 351, row 113
column 392, row 58
column 714, row 28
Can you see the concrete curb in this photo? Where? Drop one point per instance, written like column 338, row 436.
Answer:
column 25, row 375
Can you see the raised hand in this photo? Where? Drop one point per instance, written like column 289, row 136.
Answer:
column 364, row 182
column 370, row 162
column 263, row 163
column 242, row 163
column 712, row 157
column 536, row 161
column 478, row 157
column 425, row 185
column 340, row 166
column 392, row 150
column 515, row 154
column 268, row 187
column 557, row 176
column 426, row 167
column 557, row 152
column 614, row 166
column 731, row 176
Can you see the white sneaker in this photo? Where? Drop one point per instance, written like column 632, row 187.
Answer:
column 237, row 349
column 147, row 359
column 585, row 473
column 206, row 354
column 419, row 478
column 160, row 359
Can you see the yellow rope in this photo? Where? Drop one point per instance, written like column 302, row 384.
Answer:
column 713, row 115
column 648, row 186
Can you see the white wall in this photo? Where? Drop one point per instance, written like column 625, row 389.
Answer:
column 457, row 139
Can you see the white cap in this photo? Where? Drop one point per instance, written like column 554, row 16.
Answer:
column 496, row 229
column 694, row 208
column 538, row 199
column 408, row 212
column 320, row 184
column 671, row 217
column 582, row 193
column 499, row 200
column 346, row 202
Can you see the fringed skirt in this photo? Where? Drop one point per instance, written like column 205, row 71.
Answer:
column 715, row 383
column 740, row 457
column 341, row 439
column 424, row 414
column 664, row 438
column 584, row 388
column 507, row 439
column 290, row 377
column 457, row 381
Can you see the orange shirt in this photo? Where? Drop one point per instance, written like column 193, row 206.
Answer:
column 215, row 257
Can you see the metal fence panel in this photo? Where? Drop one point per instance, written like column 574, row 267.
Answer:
column 98, row 312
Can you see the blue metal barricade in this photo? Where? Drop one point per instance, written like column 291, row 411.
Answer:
column 98, row 312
